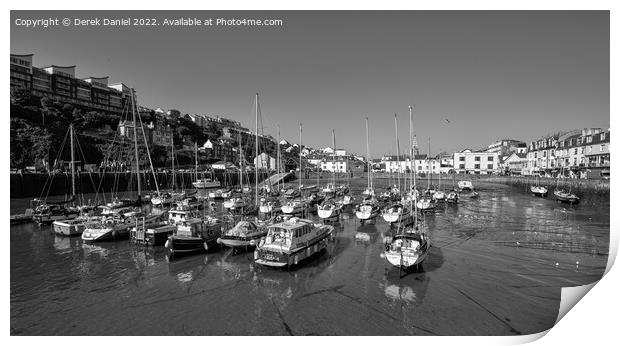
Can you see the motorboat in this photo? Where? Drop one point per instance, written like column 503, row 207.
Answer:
column 292, row 241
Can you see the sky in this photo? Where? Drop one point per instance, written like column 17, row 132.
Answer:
column 491, row 74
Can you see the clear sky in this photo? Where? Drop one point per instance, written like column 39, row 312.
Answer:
column 492, row 74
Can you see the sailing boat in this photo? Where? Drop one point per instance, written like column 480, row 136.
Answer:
column 330, row 208
column 368, row 209
column 203, row 183
column 438, row 195
column 427, row 202
column 246, row 234
column 298, row 205
column 412, row 194
column 537, row 190
column 239, row 202
column 410, row 246
column 563, row 196
column 167, row 198
column 369, row 192
column 397, row 211
column 270, row 204
column 116, row 225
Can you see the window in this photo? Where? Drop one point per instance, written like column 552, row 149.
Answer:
column 477, row 166
column 490, row 158
column 462, row 166
column 462, row 158
column 602, row 147
column 490, row 166
column 603, row 136
column 575, row 151
column 477, row 158
column 590, row 149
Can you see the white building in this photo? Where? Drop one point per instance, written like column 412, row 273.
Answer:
column 471, row 162
column 338, row 165
column 264, row 161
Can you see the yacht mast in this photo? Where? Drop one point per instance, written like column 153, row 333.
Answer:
column 368, row 163
column 240, row 162
column 278, row 158
column 133, row 100
column 300, row 171
column 256, row 152
column 413, row 172
column 397, row 149
column 72, row 165
column 172, row 151
column 334, row 160
column 196, row 160
column 135, row 140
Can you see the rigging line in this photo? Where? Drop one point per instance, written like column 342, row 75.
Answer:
column 59, row 154
column 89, row 173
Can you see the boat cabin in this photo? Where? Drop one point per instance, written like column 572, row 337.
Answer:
column 290, row 234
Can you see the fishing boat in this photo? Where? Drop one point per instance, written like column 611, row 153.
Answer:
column 292, row 241
column 426, row 203
column 115, row 227
column 465, row 185
column 194, row 235
column 46, row 214
column 244, row 235
column 73, row 226
column 156, row 233
column 329, row 209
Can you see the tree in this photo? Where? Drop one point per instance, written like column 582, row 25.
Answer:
column 29, row 144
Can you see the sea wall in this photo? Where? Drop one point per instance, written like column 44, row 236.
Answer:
column 41, row 185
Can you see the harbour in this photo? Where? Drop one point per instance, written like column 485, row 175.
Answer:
column 496, row 267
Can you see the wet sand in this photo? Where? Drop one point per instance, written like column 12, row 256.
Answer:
column 496, row 267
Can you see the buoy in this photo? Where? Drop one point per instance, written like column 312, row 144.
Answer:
column 557, row 264
column 382, row 255
column 577, row 263
column 252, row 242
column 255, row 255
column 219, row 240
column 206, row 246
column 167, row 245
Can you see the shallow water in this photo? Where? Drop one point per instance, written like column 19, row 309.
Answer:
column 496, row 267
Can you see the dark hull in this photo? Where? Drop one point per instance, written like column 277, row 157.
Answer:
column 189, row 245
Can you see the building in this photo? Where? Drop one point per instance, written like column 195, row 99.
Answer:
column 541, row 156
column 505, row 147
column 515, row 163
column 339, row 164
column 264, row 161
column 218, row 150
column 597, row 152
column 476, row 162
column 60, row 84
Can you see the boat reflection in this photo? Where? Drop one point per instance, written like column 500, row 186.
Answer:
column 409, row 289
